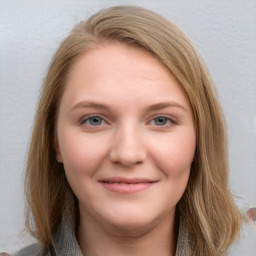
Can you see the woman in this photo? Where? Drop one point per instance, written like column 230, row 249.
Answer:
column 128, row 154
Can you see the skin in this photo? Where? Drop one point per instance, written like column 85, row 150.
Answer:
column 142, row 128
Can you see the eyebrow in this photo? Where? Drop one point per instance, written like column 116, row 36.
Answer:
column 167, row 104
column 90, row 104
column 154, row 107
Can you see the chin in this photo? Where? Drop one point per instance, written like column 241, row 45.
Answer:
column 131, row 229
column 132, row 224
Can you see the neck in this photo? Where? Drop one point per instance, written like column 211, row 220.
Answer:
column 96, row 240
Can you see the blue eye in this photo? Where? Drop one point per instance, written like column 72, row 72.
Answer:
column 161, row 120
column 94, row 121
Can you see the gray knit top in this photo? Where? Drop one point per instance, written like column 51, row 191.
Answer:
column 65, row 244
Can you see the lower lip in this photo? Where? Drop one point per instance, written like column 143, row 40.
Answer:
column 124, row 188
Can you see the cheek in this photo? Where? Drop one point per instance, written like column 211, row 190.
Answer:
column 174, row 154
column 81, row 155
column 81, row 159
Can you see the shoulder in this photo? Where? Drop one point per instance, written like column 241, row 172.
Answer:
column 32, row 250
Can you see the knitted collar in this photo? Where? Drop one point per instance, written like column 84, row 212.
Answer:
column 65, row 242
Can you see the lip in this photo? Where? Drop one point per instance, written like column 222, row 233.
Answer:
column 126, row 186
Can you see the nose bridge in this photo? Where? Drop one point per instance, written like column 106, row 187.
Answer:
column 128, row 146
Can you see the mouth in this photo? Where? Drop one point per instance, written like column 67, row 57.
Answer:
column 126, row 186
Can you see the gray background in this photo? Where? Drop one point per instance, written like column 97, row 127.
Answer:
column 30, row 31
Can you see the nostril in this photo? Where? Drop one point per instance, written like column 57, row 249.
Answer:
column 127, row 158
column 127, row 147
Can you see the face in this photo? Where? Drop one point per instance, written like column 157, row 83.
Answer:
column 126, row 137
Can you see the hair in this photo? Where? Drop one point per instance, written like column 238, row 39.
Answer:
column 207, row 206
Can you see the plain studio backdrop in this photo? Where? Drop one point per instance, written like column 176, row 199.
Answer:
column 223, row 31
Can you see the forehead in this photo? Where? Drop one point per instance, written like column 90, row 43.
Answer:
column 121, row 70
column 116, row 57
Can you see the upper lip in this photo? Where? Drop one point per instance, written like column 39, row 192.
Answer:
column 127, row 180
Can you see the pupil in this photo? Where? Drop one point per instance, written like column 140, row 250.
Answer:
column 95, row 120
column 161, row 120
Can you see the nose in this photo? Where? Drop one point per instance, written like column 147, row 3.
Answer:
column 128, row 147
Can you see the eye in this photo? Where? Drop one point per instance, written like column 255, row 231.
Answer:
column 93, row 121
column 161, row 121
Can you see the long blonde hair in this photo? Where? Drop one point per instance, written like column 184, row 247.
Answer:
column 207, row 205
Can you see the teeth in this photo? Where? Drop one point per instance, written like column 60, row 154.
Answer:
column 115, row 182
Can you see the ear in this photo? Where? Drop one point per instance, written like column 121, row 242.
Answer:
column 57, row 150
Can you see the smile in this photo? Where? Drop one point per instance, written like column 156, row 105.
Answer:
column 126, row 186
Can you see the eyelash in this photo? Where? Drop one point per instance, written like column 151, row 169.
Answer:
column 88, row 118
column 169, row 121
